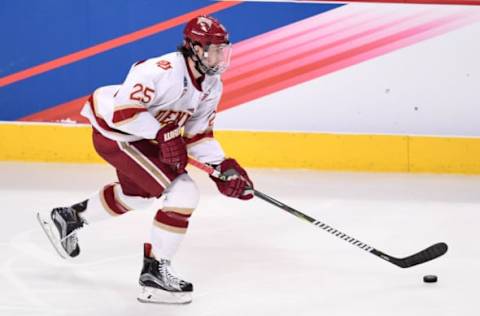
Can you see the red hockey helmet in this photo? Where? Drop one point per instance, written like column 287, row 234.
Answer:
column 205, row 30
column 212, row 36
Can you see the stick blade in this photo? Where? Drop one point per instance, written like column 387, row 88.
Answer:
column 428, row 254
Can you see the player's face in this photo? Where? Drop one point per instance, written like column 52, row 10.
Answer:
column 217, row 57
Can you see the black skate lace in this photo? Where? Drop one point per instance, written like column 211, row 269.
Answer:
column 76, row 226
column 72, row 236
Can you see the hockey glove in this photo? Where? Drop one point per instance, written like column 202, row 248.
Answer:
column 173, row 150
column 238, row 184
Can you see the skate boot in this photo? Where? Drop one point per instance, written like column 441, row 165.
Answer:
column 60, row 228
column 159, row 284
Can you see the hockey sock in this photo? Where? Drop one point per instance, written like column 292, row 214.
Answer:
column 110, row 202
column 169, row 228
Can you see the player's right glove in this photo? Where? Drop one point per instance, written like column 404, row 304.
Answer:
column 237, row 184
column 173, row 150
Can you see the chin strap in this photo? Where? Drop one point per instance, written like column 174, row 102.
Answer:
column 199, row 65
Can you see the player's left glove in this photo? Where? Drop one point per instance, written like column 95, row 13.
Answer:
column 237, row 184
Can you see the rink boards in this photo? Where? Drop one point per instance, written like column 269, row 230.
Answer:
column 334, row 87
column 357, row 152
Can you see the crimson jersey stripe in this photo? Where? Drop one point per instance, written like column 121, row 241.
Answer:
column 126, row 114
column 197, row 137
column 101, row 122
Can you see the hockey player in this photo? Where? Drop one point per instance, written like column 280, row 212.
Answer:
column 137, row 129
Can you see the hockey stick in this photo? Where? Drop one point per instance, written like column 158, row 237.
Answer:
column 423, row 256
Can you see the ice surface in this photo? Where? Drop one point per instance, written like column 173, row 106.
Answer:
column 250, row 258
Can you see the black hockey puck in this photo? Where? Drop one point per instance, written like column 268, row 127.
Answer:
column 430, row 279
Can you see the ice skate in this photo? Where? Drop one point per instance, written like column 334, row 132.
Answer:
column 60, row 228
column 159, row 284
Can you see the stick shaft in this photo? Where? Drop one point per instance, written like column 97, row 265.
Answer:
column 423, row 256
column 329, row 229
column 208, row 169
column 337, row 233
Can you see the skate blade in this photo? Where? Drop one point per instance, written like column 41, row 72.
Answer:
column 158, row 296
column 47, row 229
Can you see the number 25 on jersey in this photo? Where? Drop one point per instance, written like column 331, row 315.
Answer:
column 141, row 93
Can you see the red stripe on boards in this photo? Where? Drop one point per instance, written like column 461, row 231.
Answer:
column 108, row 45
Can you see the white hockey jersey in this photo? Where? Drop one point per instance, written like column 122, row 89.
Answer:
column 156, row 92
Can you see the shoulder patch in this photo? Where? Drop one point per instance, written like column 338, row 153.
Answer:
column 164, row 64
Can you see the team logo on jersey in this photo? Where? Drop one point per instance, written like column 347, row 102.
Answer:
column 167, row 116
column 204, row 23
column 164, row 64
